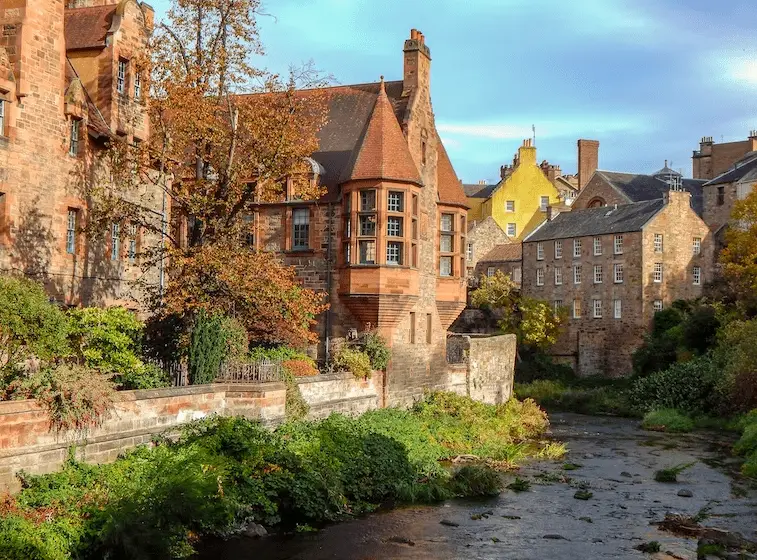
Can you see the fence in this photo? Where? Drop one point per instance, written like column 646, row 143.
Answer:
column 262, row 371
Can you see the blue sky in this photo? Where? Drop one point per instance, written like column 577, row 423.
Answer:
column 647, row 78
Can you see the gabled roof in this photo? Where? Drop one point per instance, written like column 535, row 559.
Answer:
column 382, row 151
column 598, row 221
column 636, row 187
column 507, row 252
column 448, row 185
column 95, row 120
column 478, row 191
column 744, row 169
column 87, row 28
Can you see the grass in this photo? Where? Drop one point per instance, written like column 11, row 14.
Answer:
column 671, row 473
column 583, row 495
column 592, row 395
column 552, row 451
column 667, row 420
column 519, row 485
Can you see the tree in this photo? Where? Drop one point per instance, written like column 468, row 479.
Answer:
column 739, row 258
column 214, row 154
column 495, row 292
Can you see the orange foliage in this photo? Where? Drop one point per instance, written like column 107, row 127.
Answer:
column 301, row 368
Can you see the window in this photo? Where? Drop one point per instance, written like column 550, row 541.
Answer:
column 617, row 270
column 721, row 196
column 540, row 251
column 445, row 266
column 428, row 328
column 576, row 308
column 115, row 241
column 447, row 222
column 2, row 117
column 368, row 225
column 469, row 252
column 415, row 205
column 557, row 306
column 618, row 309
column 597, row 308
column 70, row 230
column 133, row 232
column 577, row 274
column 539, row 276
column 697, row 246
column 490, row 271
column 394, row 226
column 658, row 272
column 618, row 245
column 367, row 251
column 412, row 328
column 73, row 145
column 597, row 273
column 576, row 248
column 396, row 202
column 558, row 249
column 248, row 233
column 517, row 275
column 137, row 85
column 367, row 201
column 697, row 275
column 347, row 253
column 121, row 78
column 446, row 245
column 657, row 305
column 511, row 230
column 394, row 253
column 543, row 203
column 658, row 243
column 300, row 228
column 509, row 206
column 558, row 276
column 597, row 246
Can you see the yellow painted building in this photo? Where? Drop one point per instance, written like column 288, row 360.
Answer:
column 518, row 203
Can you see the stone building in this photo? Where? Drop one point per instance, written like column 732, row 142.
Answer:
column 69, row 82
column 482, row 237
column 722, row 192
column 612, row 268
column 387, row 241
column 506, row 258
column 712, row 159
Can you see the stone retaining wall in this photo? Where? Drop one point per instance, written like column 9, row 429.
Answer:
column 341, row 392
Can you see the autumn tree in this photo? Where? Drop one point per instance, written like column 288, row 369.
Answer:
column 739, row 258
column 224, row 137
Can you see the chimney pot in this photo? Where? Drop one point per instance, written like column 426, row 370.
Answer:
column 413, row 33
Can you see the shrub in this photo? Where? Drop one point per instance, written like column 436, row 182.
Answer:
column 476, row 480
column 688, row 387
column 538, row 365
column 667, row 420
column 738, row 384
column 378, row 352
column 301, row 367
column 207, row 348
column 29, row 324
column 700, row 329
column 356, row 362
column 149, row 376
column 585, row 396
column 296, row 407
column 275, row 354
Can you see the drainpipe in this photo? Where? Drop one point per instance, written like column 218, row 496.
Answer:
column 328, row 283
column 162, row 248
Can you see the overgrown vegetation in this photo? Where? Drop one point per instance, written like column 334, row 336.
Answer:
column 667, row 420
column 225, row 472
column 671, row 473
column 357, row 362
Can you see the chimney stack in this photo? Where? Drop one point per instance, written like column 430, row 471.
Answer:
column 417, row 68
column 588, row 161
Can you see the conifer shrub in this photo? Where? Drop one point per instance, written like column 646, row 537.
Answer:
column 207, row 348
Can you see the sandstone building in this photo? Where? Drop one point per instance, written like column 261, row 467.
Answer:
column 722, row 192
column 506, row 258
column 387, row 242
column 69, row 82
column 482, row 237
column 713, row 159
column 612, row 268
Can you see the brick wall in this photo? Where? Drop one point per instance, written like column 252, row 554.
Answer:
column 341, row 392
column 27, row 443
column 596, row 190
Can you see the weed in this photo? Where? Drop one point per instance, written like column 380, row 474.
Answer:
column 667, row 420
column 571, row 466
column 476, row 480
column 519, row 485
column 648, row 547
column 711, row 549
column 671, row 473
column 552, row 451
column 583, row 495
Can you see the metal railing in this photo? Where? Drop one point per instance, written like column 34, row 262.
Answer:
column 263, row 371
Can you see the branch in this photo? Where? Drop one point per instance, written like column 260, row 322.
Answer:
column 182, row 50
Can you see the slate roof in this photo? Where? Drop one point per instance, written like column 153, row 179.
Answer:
column 504, row 253
column 478, row 191
column 638, row 187
column 382, row 152
column 87, row 28
column 744, row 169
column 598, row 221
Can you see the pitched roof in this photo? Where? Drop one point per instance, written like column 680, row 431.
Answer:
column 382, row 151
column 87, row 28
column 504, row 253
column 637, row 187
column 744, row 169
column 447, row 183
column 95, row 120
column 478, row 191
column 598, row 221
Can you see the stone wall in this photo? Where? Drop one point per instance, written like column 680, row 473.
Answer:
column 488, row 370
column 27, row 443
column 341, row 392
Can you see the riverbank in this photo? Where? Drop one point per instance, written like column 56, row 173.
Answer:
column 230, row 475
column 611, row 458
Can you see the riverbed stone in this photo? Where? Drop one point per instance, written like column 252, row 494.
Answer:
column 685, row 493
column 254, row 531
column 555, row 537
column 449, row 523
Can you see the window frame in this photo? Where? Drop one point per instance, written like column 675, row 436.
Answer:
column 577, row 247
column 617, row 242
column 72, row 219
column 514, row 227
column 697, row 275
column 696, row 245
column 720, row 196
column 297, row 229
column 490, row 271
column 517, row 275
column 539, row 251
column 617, row 267
column 597, row 246
column 657, row 273
column 558, row 249
column 510, row 206
column 558, row 276
column 398, row 196
column 543, row 203
column 133, row 234
column 597, row 311
column 617, row 309
column 3, row 118
column 398, row 247
column 137, row 85
column 540, row 276
column 657, row 308
column 365, row 243
column 121, row 72
column 115, row 241
column 598, row 274
column 577, row 273
column 658, row 243
column 391, row 230
column 74, row 128
column 442, row 272
column 577, row 311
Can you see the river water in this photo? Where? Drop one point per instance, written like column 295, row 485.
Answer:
column 618, row 461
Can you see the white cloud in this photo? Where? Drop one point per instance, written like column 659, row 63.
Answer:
column 745, row 71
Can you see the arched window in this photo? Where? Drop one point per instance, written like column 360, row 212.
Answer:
column 597, row 203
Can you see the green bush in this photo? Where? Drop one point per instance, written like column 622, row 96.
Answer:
column 476, row 480
column 378, row 352
column 207, row 348
column 738, row 353
column 538, row 365
column 689, row 386
column 275, row 354
column 356, row 362
column 667, row 420
column 584, row 396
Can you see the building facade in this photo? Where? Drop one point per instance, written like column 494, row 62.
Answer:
column 482, row 237
column 69, row 83
column 713, row 159
column 612, row 268
column 506, row 259
column 387, row 241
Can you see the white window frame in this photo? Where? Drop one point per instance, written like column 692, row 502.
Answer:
column 443, row 271
column 469, row 251
column 557, row 304
column 490, row 271
column 540, row 251
column 617, row 273
column 558, row 249
column 597, row 246
column 558, row 276
column 576, row 248
column 121, row 77
column 115, row 241
column 71, row 219
column 577, row 274
column 577, row 309
column 658, row 305
column 657, row 273
column 300, row 218
column 697, row 275
column 539, row 276
column 543, row 203
column 618, row 245
column 597, row 308
column 512, row 229
column 696, row 246
column 618, row 309
column 509, row 206
column 659, row 241
column 137, row 85
column 597, row 273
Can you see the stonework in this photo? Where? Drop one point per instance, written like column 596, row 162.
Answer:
column 712, row 159
column 483, row 237
column 61, row 106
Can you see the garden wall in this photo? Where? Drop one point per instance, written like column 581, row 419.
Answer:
column 341, row 392
column 27, row 443
column 487, row 366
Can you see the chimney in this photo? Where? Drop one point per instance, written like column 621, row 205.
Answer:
column 680, row 198
column 588, row 161
column 527, row 153
column 552, row 212
column 417, row 71
column 753, row 140
column 482, row 182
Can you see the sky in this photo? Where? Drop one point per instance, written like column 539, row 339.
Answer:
column 647, row 78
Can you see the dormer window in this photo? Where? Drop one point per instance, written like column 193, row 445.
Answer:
column 138, row 85
column 121, row 78
column 73, row 145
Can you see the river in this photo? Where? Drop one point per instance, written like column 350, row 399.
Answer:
column 617, row 465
